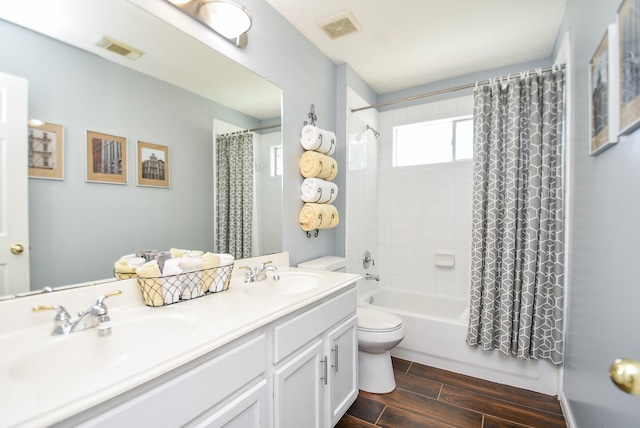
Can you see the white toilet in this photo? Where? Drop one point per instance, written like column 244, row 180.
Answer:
column 378, row 333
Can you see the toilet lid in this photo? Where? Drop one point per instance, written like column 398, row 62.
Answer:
column 375, row 320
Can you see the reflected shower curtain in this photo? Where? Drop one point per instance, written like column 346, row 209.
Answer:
column 234, row 197
column 517, row 244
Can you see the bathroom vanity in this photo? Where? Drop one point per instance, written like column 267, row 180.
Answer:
column 268, row 354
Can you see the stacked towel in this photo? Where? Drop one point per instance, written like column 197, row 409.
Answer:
column 318, row 216
column 191, row 287
column 126, row 266
column 318, row 190
column 319, row 140
column 221, row 282
column 173, row 283
column 209, row 261
column 316, row 165
column 152, row 288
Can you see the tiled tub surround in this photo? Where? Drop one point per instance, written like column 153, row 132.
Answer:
column 215, row 321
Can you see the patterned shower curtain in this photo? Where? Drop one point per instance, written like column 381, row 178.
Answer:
column 517, row 250
column 234, row 197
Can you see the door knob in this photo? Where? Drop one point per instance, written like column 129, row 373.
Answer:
column 625, row 374
column 17, row 249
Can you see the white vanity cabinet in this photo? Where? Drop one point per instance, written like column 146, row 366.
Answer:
column 315, row 357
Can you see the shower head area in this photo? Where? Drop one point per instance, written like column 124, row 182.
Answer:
column 375, row 133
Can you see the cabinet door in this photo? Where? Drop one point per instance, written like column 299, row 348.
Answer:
column 248, row 410
column 343, row 373
column 298, row 388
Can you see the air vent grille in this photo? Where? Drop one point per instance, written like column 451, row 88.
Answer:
column 118, row 47
column 340, row 26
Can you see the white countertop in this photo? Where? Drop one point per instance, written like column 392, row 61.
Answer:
column 213, row 320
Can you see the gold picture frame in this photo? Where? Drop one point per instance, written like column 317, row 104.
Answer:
column 106, row 158
column 153, row 165
column 629, row 63
column 603, row 93
column 46, row 151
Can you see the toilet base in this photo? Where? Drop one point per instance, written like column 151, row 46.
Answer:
column 375, row 372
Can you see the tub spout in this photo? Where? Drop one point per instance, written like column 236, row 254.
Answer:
column 374, row 277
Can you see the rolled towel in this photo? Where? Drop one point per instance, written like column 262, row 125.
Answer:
column 152, row 284
column 316, row 165
column 176, row 253
column 318, row 190
column 225, row 259
column 318, row 216
column 210, row 261
column 223, row 276
column 192, row 268
column 317, row 139
column 136, row 261
column 172, row 289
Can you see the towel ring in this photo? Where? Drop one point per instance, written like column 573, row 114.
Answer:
column 319, row 196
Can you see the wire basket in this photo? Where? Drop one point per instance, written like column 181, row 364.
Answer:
column 170, row 289
column 125, row 275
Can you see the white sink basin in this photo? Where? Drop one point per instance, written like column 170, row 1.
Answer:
column 289, row 283
column 84, row 352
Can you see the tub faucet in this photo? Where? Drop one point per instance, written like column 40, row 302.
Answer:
column 373, row 277
column 259, row 273
column 95, row 316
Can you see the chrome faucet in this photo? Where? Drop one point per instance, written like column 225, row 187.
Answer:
column 95, row 316
column 259, row 273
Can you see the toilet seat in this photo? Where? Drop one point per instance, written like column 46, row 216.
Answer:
column 372, row 320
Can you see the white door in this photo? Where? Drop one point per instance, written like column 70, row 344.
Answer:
column 14, row 218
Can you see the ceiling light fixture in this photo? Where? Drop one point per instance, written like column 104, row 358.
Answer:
column 226, row 17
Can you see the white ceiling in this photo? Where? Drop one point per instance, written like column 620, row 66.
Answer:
column 407, row 43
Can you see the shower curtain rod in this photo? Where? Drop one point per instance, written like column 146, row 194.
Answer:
column 262, row 128
column 438, row 92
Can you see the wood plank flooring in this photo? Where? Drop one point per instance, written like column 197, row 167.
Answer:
column 434, row 398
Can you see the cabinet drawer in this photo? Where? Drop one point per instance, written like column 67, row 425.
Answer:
column 294, row 333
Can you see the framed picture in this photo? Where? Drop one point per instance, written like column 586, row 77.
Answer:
column 603, row 90
column 629, row 60
column 153, row 165
column 106, row 158
column 46, row 151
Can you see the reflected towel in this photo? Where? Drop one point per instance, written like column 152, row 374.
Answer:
column 318, row 190
column 320, row 140
column 318, row 216
column 317, row 165
column 152, row 284
column 176, row 253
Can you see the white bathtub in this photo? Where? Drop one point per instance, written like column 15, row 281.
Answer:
column 436, row 332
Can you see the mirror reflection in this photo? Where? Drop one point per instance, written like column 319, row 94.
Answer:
column 170, row 97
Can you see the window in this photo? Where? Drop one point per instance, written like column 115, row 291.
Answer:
column 437, row 141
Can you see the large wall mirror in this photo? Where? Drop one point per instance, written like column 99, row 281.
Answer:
column 170, row 96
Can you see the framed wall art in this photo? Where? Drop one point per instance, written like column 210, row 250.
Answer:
column 603, row 93
column 629, row 65
column 153, row 165
column 106, row 158
column 46, row 151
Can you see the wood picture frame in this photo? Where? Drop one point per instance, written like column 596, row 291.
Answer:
column 106, row 158
column 629, row 65
column 152, row 165
column 603, row 93
column 46, row 151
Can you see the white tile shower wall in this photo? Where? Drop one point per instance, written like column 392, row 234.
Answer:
column 361, row 186
column 423, row 210
column 269, row 195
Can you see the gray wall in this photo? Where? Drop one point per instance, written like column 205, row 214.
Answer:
column 605, row 230
column 78, row 229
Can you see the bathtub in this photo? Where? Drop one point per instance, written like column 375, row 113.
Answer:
column 436, row 333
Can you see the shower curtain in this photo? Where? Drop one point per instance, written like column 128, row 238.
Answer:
column 234, row 197
column 517, row 251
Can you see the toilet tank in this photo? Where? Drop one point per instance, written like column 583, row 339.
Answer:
column 327, row 263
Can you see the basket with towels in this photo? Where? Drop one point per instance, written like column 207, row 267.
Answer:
column 176, row 275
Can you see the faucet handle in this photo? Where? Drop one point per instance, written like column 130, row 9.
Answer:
column 62, row 316
column 101, row 298
column 263, row 265
column 247, row 270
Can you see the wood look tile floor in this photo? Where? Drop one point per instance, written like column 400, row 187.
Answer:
column 434, row 398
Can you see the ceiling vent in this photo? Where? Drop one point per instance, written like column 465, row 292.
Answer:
column 340, row 25
column 118, row 47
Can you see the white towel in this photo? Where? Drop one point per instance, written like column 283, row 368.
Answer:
column 193, row 276
column 172, row 288
column 318, row 190
column 319, row 140
column 220, row 279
